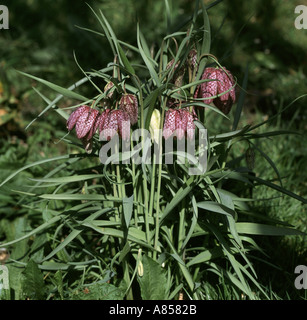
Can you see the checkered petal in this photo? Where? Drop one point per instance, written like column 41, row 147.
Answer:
column 169, row 123
column 85, row 122
column 110, row 127
column 226, row 100
column 75, row 116
column 123, row 124
column 94, row 125
column 129, row 104
column 180, row 124
column 190, row 126
column 102, row 119
column 192, row 58
column 208, row 89
column 188, row 122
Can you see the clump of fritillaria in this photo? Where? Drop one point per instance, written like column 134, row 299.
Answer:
column 111, row 121
column 220, row 90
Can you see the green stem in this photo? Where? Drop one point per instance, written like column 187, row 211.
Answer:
column 157, row 220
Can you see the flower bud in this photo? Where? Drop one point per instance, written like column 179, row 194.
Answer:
column 154, row 126
column 109, row 90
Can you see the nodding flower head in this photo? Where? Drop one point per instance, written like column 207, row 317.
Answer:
column 84, row 120
column 129, row 104
column 179, row 121
column 113, row 122
column 220, row 91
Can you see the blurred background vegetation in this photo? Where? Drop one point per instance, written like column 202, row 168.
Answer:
column 259, row 35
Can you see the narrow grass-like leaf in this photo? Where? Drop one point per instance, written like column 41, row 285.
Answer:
column 205, row 256
column 278, row 188
column 179, row 196
column 147, row 59
column 76, row 178
column 65, row 92
column 128, row 207
column 215, row 207
column 58, row 110
column 125, row 61
column 266, row 230
column 240, row 102
column 37, row 163
column 35, row 231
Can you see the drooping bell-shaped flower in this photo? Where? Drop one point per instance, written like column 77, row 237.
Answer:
column 129, row 104
column 169, row 123
column 179, row 121
column 220, row 91
column 83, row 119
column 113, row 122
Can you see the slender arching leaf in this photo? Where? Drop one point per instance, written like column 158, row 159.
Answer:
column 65, row 92
column 146, row 58
column 37, row 163
column 125, row 61
column 266, row 230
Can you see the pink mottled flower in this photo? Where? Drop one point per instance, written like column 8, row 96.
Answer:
column 75, row 116
column 222, row 84
column 83, row 119
column 129, row 104
column 169, row 123
column 208, row 89
column 115, row 121
column 181, row 121
column 188, row 120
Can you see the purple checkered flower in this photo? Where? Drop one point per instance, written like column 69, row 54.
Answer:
column 181, row 121
column 129, row 104
column 222, row 81
column 113, row 122
column 84, row 120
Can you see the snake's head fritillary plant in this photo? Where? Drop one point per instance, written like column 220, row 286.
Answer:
column 152, row 229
